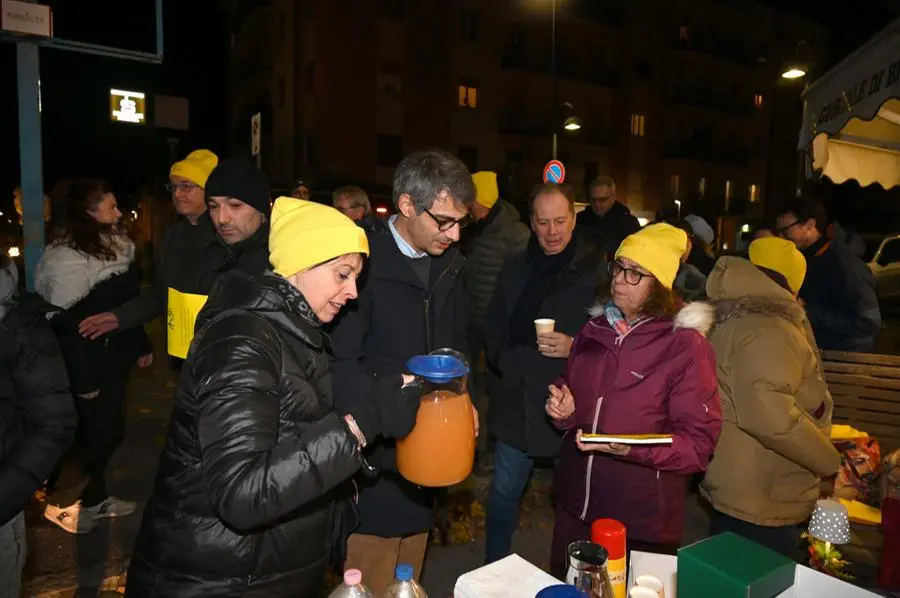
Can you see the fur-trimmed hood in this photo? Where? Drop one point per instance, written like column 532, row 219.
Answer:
column 699, row 316
column 738, row 288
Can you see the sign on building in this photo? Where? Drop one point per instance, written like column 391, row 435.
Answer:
column 26, row 18
column 255, row 123
column 127, row 106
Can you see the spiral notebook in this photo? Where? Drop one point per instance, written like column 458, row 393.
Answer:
column 628, row 438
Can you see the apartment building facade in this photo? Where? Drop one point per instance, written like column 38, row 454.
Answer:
column 675, row 98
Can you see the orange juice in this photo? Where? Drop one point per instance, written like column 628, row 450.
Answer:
column 440, row 451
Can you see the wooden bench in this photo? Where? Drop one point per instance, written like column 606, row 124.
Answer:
column 866, row 392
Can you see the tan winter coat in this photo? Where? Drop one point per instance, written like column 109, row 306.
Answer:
column 773, row 450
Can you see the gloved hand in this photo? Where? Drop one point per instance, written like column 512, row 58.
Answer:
column 390, row 410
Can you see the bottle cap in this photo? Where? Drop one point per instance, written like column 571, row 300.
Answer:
column 610, row 534
column 352, row 577
column 404, row 572
column 437, row 368
column 561, row 591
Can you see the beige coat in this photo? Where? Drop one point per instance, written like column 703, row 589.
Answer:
column 773, row 450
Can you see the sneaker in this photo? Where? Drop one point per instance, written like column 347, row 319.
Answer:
column 111, row 507
column 69, row 518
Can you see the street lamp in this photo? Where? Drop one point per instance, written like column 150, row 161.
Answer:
column 678, row 205
column 571, row 124
column 797, row 68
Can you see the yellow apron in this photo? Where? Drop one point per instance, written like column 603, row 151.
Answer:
column 182, row 314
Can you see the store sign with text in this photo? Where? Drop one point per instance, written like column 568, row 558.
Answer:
column 127, row 106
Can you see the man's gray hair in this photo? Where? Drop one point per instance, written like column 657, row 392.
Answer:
column 427, row 174
column 358, row 197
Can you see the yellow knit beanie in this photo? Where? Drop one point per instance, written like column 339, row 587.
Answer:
column 196, row 167
column 658, row 249
column 486, row 192
column 782, row 256
column 304, row 234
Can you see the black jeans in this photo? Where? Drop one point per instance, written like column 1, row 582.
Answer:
column 782, row 539
column 101, row 429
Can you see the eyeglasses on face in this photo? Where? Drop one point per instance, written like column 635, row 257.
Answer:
column 631, row 276
column 183, row 187
column 782, row 232
column 444, row 224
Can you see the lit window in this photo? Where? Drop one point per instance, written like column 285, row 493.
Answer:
column 701, row 187
column 468, row 96
column 637, row 125
column 674, row 185
column 758, row 100
column 754, row 193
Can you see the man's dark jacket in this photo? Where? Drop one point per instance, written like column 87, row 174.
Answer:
column 395, row 318
column 841, row 303
column 608, row 230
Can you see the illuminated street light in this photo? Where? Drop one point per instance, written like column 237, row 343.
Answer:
column 745, row 228
column 571, row 124
column 678, row 204
column 14, row 252
column 794, row 71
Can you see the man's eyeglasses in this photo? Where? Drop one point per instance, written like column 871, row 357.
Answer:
column 445, row 224
column 631, row 276
column 183, row 187
column 782, row 232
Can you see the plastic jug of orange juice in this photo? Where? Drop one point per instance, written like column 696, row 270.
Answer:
column 440, row 451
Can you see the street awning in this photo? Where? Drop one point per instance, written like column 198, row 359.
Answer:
column 851, row 121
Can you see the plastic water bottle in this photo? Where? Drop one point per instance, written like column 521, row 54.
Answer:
column 404, row 585
column 352, row 586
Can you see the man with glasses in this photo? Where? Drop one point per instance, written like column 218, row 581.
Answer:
column 187, row 262
column 839, row 289
column 556, row 277
column 411, row 301
column 607, row 219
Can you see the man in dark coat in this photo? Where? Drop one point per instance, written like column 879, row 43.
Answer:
column 556, row 277
column 607, row 220
column 501, row 234
column 839, row 290
column 411, row 301
column 37, row 416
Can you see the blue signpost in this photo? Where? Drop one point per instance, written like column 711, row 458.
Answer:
column 28, row 73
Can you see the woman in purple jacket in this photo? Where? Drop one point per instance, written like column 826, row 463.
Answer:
column 639, row 366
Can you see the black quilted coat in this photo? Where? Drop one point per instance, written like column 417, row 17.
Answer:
column 245, row 496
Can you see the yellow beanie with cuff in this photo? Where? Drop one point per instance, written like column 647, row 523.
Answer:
column 486, row 190
column 196, row 167
column 782, row 256
column 304, row 234
column 658, row 249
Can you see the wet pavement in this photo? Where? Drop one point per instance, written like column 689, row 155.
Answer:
column 60, row 562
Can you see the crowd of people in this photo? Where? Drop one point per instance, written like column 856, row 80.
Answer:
column 290, row 325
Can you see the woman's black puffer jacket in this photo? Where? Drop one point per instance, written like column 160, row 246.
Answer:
column 247, row 485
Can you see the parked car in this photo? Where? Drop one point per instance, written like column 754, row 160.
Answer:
column 883, row 257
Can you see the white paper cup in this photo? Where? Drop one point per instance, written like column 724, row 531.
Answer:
column 544, row 325
column 651, row 583
column 642, row 592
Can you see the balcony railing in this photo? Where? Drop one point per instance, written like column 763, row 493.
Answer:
column 568, row 66
column 711, row 101
column 707, row 152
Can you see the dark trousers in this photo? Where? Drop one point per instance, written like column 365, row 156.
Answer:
column 782, row 539
column 568, row 529
column 478, row 387
column 101, row 429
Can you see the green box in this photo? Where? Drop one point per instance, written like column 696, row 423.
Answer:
column 730, row 566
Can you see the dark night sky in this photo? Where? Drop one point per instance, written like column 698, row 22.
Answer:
column 79, row 140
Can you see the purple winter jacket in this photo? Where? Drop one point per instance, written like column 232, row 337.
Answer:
column 660, row 379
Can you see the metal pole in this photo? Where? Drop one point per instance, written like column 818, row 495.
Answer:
column 28, row 74
column 555, row 111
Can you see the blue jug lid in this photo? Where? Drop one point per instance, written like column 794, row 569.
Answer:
column 403, row 572
column 437, row 368
column 561, row 591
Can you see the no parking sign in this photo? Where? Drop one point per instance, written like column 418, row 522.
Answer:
column 554, row 172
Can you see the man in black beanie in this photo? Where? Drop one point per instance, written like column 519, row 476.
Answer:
column 237, row 193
